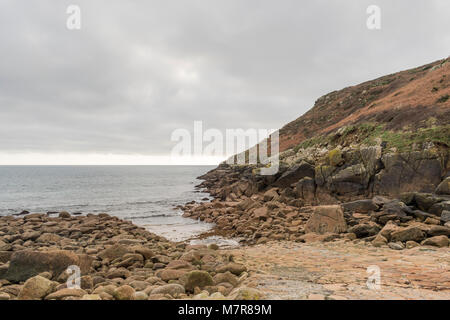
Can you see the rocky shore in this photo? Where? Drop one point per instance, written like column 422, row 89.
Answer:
column 370, row 162
column 312, row 230
column 241, row 209
column 116, row 259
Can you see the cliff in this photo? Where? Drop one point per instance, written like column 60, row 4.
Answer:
column 383, row 137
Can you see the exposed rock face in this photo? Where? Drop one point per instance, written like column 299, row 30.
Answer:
column 277, row 213
column 306, row 190
column 364, row 172
column 415, row 171
column 327, row 219
column 295, row 174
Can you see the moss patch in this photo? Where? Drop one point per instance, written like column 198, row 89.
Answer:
column 372, row 134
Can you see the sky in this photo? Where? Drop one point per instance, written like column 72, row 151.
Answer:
column 114, row 91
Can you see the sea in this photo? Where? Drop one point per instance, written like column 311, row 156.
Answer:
column 146, row 195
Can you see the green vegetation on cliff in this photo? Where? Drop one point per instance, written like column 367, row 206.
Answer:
column 372, row 134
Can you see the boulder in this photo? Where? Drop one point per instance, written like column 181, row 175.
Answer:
column 170, row 274
column 118, row 273
column 27, row 264
column 408, row 234
column 226, row 277
column 438, row 241
column 64, row 215
column 36, row 288
column 379, row 241
column 425, row 201
column 261, row 213
column 124, row 293
column 199, row 279
column 439, row 231
column 361, row 206
column 139, row 285
column 398, row 208
column 5, row 246
column 244, row 293
column 423, row 215
column 234, row 268
column 65, row 293
column 439, row 207
column 180, row 264
column 388, row 229
column 445, row 217
column 171, row 289
column 411, row 244
column 140, row 295
column 444, row 187
column 364, row 230
column 30, row 235
column 113, row 252
column 91, row 297
column 5, row 256
column 48, row 237
column 326, row 219
column 271, row 194
column 145, row 252
column 4, row 296
column 396, row 245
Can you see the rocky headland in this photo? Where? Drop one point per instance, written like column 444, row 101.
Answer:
column 382, row 175
column 367, row 166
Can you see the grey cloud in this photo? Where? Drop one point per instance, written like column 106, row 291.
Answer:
column 140, row 69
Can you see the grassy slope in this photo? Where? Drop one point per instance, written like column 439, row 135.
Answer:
column 402, row 109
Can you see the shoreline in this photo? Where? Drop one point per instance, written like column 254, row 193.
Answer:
column 117, row 260
column 277, row 255
column 292, row 256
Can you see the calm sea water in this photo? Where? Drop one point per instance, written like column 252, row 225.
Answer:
column 145, row 195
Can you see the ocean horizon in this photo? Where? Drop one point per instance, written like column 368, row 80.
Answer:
column 147, row 195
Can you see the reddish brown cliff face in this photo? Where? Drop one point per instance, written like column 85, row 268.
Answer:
column 403, row 100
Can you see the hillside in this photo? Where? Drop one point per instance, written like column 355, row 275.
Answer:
column 409, row 101
column 384, row 137
column 368, row 163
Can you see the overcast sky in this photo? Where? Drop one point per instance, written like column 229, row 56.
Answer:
column 114, row 91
